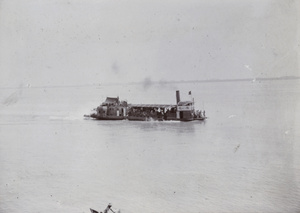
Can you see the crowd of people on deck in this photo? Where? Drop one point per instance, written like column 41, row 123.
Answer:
column 147, row 112
column 153, row 112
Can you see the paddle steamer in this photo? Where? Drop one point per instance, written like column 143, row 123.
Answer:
column 114, row 109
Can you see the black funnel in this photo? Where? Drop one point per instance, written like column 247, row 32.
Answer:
column 177, row 96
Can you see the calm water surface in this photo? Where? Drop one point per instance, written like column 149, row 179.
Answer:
column 244, row 158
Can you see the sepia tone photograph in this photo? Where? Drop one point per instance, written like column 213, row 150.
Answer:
column 161, row 106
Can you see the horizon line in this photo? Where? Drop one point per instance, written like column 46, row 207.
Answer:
column 28, row 86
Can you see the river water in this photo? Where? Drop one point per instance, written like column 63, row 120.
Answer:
column 244, row 158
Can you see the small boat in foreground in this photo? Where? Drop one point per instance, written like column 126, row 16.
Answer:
column 93, row 211
column 108, row 208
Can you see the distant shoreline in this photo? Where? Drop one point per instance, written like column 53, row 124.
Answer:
column 158, row 82
column 222, row 80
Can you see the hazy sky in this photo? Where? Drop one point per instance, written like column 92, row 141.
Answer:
column 73, row 42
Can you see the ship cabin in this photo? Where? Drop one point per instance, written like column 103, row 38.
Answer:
column 112, row 107
column 152, row 112
column 185, row 110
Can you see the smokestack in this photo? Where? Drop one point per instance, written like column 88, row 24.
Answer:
column 177, row 96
